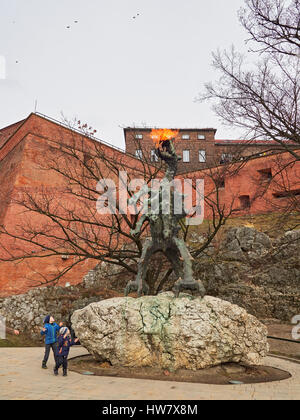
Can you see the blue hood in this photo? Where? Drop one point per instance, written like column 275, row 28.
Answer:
column 50, row 333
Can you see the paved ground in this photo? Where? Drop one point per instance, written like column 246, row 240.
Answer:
column 21, row 377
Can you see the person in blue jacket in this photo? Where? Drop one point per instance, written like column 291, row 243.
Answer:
column 63, row 348
column 50, row 331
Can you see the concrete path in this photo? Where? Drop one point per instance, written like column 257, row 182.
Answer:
column 21, row 378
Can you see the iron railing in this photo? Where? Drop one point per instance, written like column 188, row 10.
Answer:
column 284, row 339
column 76, row 130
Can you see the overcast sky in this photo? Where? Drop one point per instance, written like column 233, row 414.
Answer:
column 110, row 69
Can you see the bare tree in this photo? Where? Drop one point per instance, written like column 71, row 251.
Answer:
column 263, row 97
column 278, row 187
column 62, row 219
column 272, row 25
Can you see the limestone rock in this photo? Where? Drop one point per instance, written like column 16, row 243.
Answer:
column 247, row 269
column 258, row 274
column 244, row 242
column 163, row 331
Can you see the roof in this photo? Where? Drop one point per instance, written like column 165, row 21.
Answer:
column 250, row 142
column 169, row 128
column 8, row 131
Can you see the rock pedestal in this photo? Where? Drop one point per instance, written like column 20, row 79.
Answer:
column 163, row 331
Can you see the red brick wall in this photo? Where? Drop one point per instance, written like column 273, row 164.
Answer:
column 19, row 169
column 37, row 139
column 10, row 167
column 251, row 180
column 19, row 277
column 213, row 148
column 24, row 159
column 193, row 145
column 6, row 132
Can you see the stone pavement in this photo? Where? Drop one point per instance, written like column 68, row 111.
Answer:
column 21, row 378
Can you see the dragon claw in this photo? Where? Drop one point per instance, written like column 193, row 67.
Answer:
column 144, row 289
column 132, row 286
column 194, row 285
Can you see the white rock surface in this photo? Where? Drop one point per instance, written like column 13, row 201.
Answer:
column 163, row 331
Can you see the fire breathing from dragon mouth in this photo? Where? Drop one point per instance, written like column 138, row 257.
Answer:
column 162, row 134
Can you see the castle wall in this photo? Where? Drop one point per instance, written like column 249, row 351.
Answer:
column 27, row 154
column 26, row 172
column 262, row 185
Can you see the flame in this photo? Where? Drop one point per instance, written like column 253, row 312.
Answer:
column 162, row 134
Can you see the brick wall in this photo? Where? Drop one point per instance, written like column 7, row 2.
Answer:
column 24, row 167
column 31, row 142
column 200, row 149
column 186, row 148
column 261, row 185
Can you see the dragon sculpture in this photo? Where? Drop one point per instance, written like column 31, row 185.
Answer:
column 164, row 228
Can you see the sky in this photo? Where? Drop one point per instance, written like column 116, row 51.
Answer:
column 114, row 63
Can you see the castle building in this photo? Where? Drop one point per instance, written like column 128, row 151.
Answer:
column 197, row 147
column 258, row 186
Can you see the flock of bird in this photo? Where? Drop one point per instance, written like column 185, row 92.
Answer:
column 76, row 21
column 134, row 17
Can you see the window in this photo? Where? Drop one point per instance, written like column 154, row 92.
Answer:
column 287, row 193
column 138, row 154
column 220, row 182
column 226, row 157
column 86, row 158
column 201, row 136
column 265, row 174
column 154, row 157
column 185, row 155
column 202, row 156
column 139, row 136
column 244, row 202
column 185, row 136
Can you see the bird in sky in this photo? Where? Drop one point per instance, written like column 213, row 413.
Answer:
column 134, row 17
column 75, row 21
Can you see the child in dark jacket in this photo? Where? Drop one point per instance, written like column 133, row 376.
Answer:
column 63, row 348
column 50, row 331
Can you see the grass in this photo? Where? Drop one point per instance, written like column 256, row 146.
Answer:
column 273, row 224
column 21, row 340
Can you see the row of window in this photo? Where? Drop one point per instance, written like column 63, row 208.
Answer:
column 226, row 157
column 183, row 136
column 185, row 155
column 201, row 156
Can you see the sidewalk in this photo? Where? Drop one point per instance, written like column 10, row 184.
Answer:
column 22, row 378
